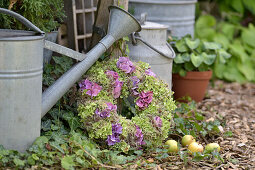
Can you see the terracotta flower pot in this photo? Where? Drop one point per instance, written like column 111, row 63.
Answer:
column 194, row 84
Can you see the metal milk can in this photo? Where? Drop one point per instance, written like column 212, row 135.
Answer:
column 150, row 46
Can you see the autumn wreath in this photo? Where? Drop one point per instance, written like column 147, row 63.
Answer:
column 124, row 105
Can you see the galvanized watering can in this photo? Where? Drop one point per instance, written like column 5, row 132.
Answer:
column 150, row 46
column 22, row 103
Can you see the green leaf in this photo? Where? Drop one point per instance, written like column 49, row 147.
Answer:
column 186, row 57
column 18, row 162
column 212, row 45
column 248, row 37
column 74, row 122
column 205, row 21
column 206, row 33
column 208, row 58
column 178, row 59
column 221, row 39
column 41, row 141
column 67, row 162
column 181, row 45
column 224, row 54
column 192, row 44
column 227, row 29
column 189, row 66
column 238, row 50
column 182, row 73
column 238, row 6
column 46, row 125
column 250, row 4
column 196, row 60
column 247, row 68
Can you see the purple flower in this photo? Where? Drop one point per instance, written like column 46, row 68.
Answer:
column 125, row 65
column 117, row 89
column 112, row 139
column 139, row 136
column 116, row 131
column 112, row 74
column 144, row 99
column 116, row 128
column 107, row 112
column 93, row 88
column 149, row 72
column 135, row 81
column 158, row 121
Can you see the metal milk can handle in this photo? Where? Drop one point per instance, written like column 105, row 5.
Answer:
column 23, row 20
column 137, row 37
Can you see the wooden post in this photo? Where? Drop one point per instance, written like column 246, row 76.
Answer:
column 102, row 19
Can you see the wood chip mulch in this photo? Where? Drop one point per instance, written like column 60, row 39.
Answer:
column 235, row 103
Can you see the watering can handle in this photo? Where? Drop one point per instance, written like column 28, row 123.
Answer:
column 23, row 20
column 134, row 41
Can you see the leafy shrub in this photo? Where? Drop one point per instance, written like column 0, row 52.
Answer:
column 44, row 14
column 197, row 55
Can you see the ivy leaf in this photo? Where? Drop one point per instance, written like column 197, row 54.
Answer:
column 208, row 58
column 212, row 45
column 41, row 141
column 18, row 162
column 46, row 125
column 74, row 122
column 67, row 162
column 189, row 66
column 196, row 60
column 178, row 59
column 181, row 45
column 192, row 44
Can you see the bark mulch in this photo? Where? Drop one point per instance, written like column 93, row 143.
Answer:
column 235, row 103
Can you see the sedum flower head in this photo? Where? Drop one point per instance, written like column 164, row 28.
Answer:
column 107, row 112
column 116, row 131
column 139, row 136
column 112, row 74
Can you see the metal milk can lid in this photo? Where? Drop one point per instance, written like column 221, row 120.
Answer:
column 153, row 26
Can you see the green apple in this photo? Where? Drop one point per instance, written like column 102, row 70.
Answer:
column 212, row 146
column 195, row 147
column 173, row 146
column 187, row 140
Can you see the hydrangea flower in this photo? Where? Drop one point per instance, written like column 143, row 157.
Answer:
column 116, row 128
column 125, row 65
column 107, row 112
column 139, row 136
column 93, row 88
column 112, row 139
column 112, row 74
column 135, row 81
column 158, row 121
column 144, row 99
column 117, row 89
column 116, row 131
column 149, row 72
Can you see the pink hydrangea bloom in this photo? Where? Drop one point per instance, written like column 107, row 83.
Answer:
column 135, row 81
column 144, row 99
column 125, row 65
column 112, row 74
column 93, row 88
column 139, row 136
column 117, row 89
column 116, row 131
column 150, row 73
column 158, row 121
column 107, row 112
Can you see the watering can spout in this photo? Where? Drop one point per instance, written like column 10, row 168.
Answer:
column 121, row 24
